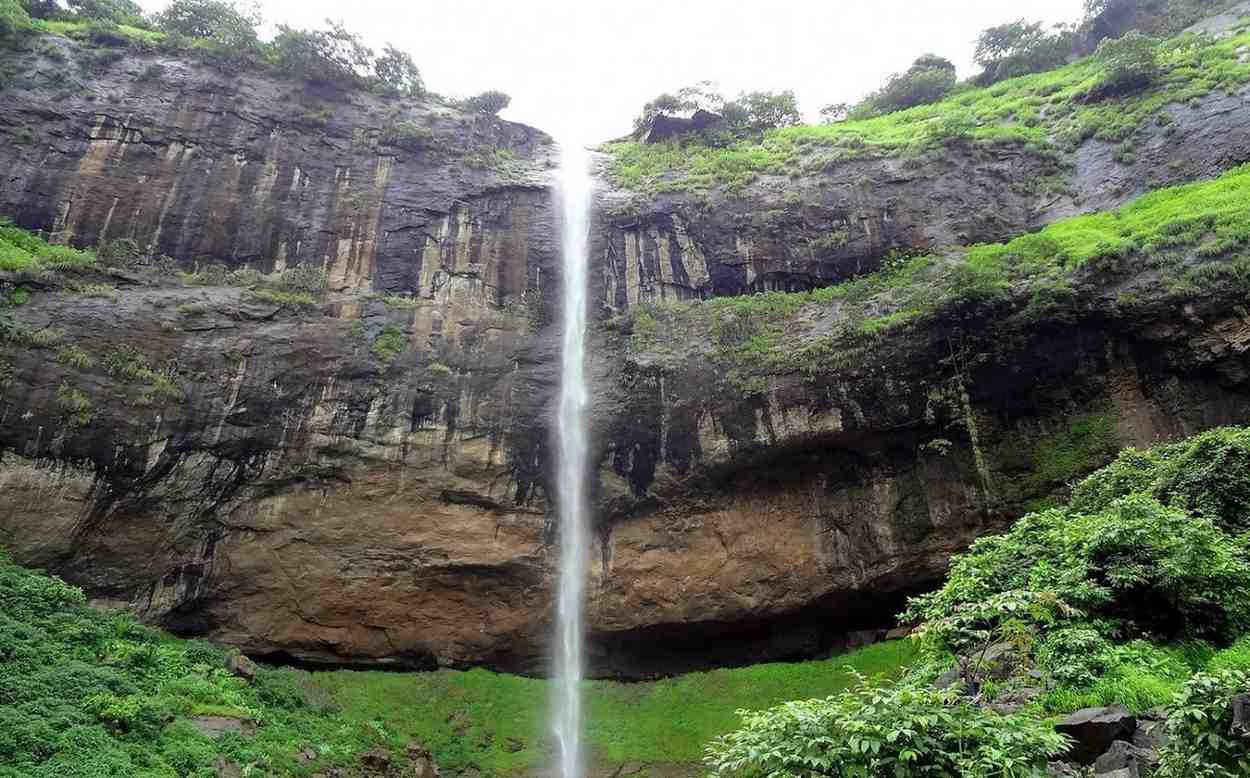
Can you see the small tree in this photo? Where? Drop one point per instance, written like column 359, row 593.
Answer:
column 757, row 112
column 491, row 103
column 222, row 20
column 333, row 56
column 1128, row 63
column 1020, row 47
column 928, row 80
column 397, row 74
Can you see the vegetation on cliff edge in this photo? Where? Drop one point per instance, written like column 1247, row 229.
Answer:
column 1174, row 244
column 1046, row 113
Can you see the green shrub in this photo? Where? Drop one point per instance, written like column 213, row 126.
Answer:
column 491, row 103
column 1207, row 475
column 1137, row 567
column 892, row 730
column 1201, row 740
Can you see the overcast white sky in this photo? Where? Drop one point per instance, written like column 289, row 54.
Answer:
column 581, row 69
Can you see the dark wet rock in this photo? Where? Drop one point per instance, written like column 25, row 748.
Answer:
column 1093, row 730
column 1126, row 760
column 1240, row 707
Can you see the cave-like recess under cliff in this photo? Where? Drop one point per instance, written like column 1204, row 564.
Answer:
column 363, row 482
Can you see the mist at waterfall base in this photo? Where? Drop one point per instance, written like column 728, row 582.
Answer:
column 574, row 191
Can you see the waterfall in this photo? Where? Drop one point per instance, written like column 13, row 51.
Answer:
column 575, row 190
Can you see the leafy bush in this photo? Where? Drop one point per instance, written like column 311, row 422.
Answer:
column 1207, row 475
column 1137, row 567
column 1128, row 63
column 1201, row 740
column 895, row 730
column 207, row 19
column 491, row 103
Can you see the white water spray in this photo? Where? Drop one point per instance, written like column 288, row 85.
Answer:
column 575, row 191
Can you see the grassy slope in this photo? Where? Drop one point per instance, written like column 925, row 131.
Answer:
column 96, row 695
column 1039, row 111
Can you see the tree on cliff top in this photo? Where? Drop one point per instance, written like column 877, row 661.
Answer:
column 928, row 80
column 211, row 19
column 490, row 103
column 1019, row 48
column 333, row 56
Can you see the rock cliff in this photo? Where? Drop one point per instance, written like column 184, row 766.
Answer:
column 363, row 481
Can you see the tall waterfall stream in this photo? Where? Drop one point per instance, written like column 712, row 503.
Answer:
column 575, row 195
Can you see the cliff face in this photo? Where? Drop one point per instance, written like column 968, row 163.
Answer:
column 363, row 481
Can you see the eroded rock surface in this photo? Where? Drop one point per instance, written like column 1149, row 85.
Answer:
column 363, row 481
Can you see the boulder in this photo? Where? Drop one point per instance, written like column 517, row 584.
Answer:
column 1151, row 735
column 1240, row 706
column 216, row 726
column 1095, row 729
column 1124, row 760
column 421, row 762
column 241, row 667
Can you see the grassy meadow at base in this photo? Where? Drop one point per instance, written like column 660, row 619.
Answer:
column 496, row 722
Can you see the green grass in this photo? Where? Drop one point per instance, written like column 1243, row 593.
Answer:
column 87, row 693
column 79, row 29
column 496, row 722
column 1041, row 112
column 20, row 251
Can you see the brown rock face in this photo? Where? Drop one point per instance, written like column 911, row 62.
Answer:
column 363, row 481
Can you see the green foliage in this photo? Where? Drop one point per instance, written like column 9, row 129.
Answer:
column 1039, row 113
column 1136, row 568
column 411, row 136
column 129, row 364
column 1201, row 740
column 14, row 20
column 22, row 251
column 87, row 693
column 210, row 19
column 928, row 80
column 1206, row 475
column 75, row 406
column 895, row 730
column 1089, row 441
column 388, row 345
column 490, row 103
column 1128, row 63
